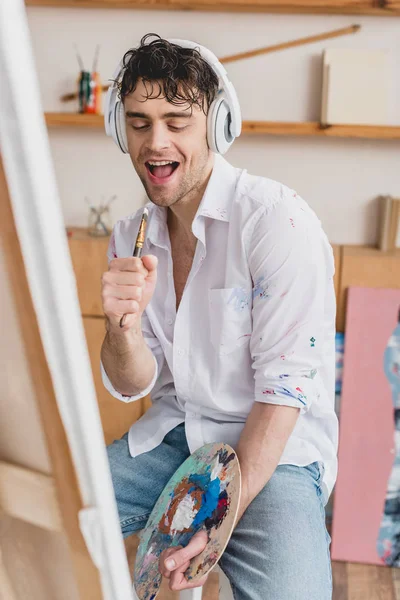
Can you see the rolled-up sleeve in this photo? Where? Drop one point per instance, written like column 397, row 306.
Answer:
column 291, row 265
column 110, row 388
column 158, row 357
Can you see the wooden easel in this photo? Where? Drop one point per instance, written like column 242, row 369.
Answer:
column 42, row 552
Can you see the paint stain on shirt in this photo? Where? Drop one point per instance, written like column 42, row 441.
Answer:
column 269, row 391
column 221, row 212
column 283, row 391
column 311, row 374
column 286, row 356
column 239, row 299
column 287, row 392
column 261, row 289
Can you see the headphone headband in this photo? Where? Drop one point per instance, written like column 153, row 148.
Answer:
column 224, row 121
column 231, row 96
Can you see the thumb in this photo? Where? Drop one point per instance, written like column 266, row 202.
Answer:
column 150, row 263
column 194, row 548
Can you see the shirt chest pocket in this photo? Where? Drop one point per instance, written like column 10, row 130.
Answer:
column 230, row 319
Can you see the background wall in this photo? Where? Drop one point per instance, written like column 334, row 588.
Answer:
column 340, row 178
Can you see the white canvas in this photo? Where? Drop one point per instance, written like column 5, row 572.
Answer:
column 36, row 207
column 355, row 87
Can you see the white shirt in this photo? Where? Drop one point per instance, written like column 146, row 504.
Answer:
column 256, row 321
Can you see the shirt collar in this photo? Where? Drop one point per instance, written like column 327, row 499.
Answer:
column 217, row 199
column 157, row 226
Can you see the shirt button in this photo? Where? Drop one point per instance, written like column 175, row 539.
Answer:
column 170, row 321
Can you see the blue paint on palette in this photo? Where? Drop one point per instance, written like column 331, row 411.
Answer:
column 209, row 501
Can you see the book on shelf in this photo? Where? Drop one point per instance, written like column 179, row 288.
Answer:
column 389, row 232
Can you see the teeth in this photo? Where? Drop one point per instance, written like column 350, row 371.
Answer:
column 160, row 163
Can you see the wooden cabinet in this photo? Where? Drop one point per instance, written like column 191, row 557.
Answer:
column 366, row 267
column 116, row 416
column 89, row 259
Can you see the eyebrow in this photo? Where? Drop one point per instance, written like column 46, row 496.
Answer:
column 170, row 115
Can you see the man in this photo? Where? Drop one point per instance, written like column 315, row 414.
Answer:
column 230, row 325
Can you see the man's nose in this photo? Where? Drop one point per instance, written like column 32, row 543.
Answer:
column 159, row 138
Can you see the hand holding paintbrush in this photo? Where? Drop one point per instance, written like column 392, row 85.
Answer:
column 129, row 284
column 137, row 251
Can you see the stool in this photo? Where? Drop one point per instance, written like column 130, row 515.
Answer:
column 225, row 591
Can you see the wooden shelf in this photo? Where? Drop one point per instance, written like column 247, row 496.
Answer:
column 74, row 120
column 353, row 7
column 314, row 129
column 253, row 127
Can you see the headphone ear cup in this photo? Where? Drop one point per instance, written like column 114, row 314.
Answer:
column 219, row 137
column 212, row 144
column 120, row 127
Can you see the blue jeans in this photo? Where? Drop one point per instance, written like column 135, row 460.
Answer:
column 279, row 549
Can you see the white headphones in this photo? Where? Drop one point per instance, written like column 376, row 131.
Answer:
column 224, row 120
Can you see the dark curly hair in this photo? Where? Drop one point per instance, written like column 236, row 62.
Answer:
column 180, row 74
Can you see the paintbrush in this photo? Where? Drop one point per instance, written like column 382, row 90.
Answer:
column 96, row 59
column 78, row 56
column 137, row 251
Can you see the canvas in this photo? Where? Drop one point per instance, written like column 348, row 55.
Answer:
column 366, row 517
column 355, row 87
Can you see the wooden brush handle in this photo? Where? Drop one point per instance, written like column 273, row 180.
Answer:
column 300, row 42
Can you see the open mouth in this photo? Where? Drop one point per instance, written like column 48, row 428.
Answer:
column 161, row 170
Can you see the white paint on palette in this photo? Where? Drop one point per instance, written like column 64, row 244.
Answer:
column 185, row 513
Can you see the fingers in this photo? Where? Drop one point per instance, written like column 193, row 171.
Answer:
column 130, row 320
column 175, row 561
column 123, row 292
column 163, row 557
column 147, row 265
column 177, row 578
column 182, row 556
column 179, row 582
column 115, row 277
column 130, row 264
column 176, row 558
column 127, row 288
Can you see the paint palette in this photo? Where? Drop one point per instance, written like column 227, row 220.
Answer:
column 203, row 494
